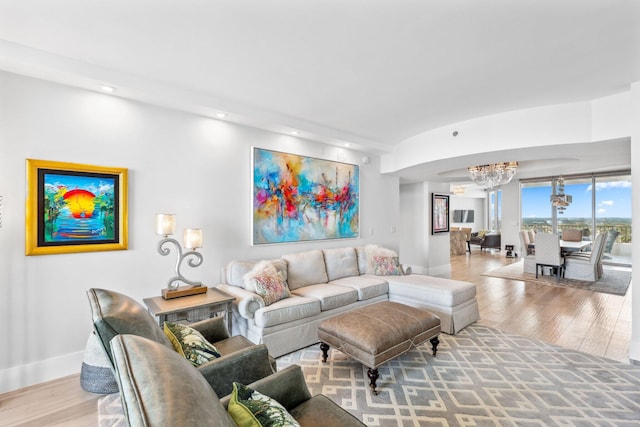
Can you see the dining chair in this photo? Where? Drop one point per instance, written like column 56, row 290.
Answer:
column 548, row 254
column 589, row 268
column 572, row 235
column 529, row 264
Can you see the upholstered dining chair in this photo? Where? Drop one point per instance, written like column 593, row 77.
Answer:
column 572, row 235
column 527, row 245
column 548, row 254
column 587, row 266
column 529, row 265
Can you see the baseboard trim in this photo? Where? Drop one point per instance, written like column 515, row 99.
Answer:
column 37, row 372
column 440, row 270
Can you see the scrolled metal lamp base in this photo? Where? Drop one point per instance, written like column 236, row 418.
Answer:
column 194, row 259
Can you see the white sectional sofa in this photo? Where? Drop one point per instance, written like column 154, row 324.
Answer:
column 326, row 282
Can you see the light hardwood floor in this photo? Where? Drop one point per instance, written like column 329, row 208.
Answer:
column 592, row 322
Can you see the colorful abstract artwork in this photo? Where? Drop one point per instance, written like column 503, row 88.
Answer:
column 74, row 208
column 298, row 198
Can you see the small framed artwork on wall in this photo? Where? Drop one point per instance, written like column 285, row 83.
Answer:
column 440, row 213
column 75, row 208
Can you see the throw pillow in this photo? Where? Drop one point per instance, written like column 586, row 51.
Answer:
column 190, row 343
column 373, row 251
column 261, row 268
column 249, row 408
column 271, row 287
column 386, row 266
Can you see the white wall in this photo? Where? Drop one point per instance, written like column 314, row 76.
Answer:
column 469, row 203
column 426, row 253
column 195, row 167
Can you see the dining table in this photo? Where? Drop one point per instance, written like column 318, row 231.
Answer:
column 569, row 246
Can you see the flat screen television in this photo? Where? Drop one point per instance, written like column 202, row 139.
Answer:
column 460, row 215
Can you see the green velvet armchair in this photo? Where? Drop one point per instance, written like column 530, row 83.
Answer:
column 114, row 313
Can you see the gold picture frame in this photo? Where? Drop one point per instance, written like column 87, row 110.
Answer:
column 74, row 207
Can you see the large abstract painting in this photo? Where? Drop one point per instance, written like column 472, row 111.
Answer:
column 298, row 198
column 75, row 208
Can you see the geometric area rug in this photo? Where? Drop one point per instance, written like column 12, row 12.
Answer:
column 480, row 377
column 614, row 280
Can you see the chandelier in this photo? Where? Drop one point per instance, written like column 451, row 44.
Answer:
column 493, row 175
column 560, row 200
column 458, row 190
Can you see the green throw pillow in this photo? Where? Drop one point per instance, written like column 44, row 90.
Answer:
column 248, row 408
column 190, row 343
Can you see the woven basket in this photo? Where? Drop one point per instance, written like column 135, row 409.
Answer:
column 96, row 375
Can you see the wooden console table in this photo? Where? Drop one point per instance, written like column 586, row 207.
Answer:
column 191, row 308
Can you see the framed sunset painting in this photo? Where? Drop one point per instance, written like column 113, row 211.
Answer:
column 298, row 198
column 75, row 208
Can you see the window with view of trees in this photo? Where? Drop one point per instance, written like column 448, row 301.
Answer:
column 600, row 204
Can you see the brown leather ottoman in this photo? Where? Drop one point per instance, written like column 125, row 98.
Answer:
column 376, row 333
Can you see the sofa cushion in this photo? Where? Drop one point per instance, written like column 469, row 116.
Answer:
column 235, row 270
column 330, row 296
column 287, row 310
column 361, row 253
column 372, row 251
column 367, row 286
column 436, row 290
column 190, row 343
column 341, row 262
column 249, row 408
column 305, row 268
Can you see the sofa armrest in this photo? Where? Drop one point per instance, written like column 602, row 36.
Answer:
column 213, row 329
column 247, row 303
column 244, row 366
column 286, row 386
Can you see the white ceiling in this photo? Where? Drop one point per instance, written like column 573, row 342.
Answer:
column 369, row 72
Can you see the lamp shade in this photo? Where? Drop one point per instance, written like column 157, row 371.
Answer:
column 165, row 224
column 192, row 238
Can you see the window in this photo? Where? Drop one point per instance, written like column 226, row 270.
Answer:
column 495, row 209
column 605, row 210
column 536, row 210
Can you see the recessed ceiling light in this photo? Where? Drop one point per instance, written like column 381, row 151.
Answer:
column 221, row 115
column 295, row 132
column 108, row 89
column 347, row 144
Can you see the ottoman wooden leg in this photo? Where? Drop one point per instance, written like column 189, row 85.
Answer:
column 325, row 351
column 373, row 377
column 434, row 344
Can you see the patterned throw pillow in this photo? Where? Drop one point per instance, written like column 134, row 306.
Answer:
column 271, row 287
column 269, row 267
column 386, row 266
column 372, row 251
column 190, row 343
column 248, row 408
